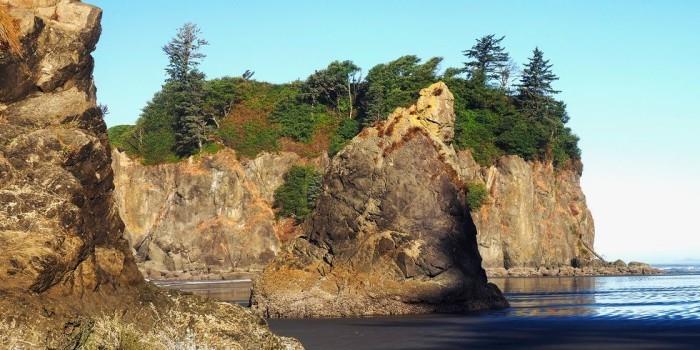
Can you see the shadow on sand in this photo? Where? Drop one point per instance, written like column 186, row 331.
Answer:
column 489, row 332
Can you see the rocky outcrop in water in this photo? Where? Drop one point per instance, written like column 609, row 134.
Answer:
column 391, row 233
column 68, row 279
column 204, row 217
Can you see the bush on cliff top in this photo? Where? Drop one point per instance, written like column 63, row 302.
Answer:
column 296, row 198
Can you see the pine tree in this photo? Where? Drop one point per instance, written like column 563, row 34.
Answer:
column 488, row 58
column 184, row 57
column 535, row 91
column 537, row 77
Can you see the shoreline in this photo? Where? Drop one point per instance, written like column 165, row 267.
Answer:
column 598, row 269
column 162, row 277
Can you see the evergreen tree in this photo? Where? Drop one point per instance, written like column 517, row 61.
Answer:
column 535, row 91
column 537, row 77
column 184, row 56
column 487, row 59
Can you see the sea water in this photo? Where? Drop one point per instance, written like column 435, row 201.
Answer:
column 612, row 312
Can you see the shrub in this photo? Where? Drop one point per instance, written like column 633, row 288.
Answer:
column 120, row 137
column 347, row 129
column 299, row 120
column 296, row 198
column 476, row 195
column 219, row 94
column 474, row 130
column 249, row 137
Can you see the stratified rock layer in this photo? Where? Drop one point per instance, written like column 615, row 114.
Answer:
column 391, row 233
column 201, row 217
column 68, row 279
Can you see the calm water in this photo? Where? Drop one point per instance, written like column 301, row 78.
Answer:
column 626, row 312
column 667, row 297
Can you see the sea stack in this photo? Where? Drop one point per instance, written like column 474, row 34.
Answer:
column 391, row 233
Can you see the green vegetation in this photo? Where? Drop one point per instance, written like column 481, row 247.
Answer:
column 476, row 195
column 299, row 120
column 495, row 115
column 186, row 82
column 296, row 198
column 347, row 129
column 395, row 84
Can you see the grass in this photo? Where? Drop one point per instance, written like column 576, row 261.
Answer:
column 9, row 32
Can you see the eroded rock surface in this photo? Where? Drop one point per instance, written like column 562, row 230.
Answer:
column 68, row 279
column 201, row 217
column 391, row 233
column 59, row 229
column 535, row 221
column 535, row 216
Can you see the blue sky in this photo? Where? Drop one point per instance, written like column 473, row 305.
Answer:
column 629, row 72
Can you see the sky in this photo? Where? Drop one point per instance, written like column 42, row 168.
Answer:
column 629, row 73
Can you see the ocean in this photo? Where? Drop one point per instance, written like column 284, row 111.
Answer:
column 612, row 312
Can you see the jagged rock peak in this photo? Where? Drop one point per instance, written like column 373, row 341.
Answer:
column 433, row 112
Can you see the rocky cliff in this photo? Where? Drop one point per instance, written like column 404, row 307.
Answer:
column 535, row 216
column 202, row 217
column 391, row 233
column 68, row 279
column 535, row 221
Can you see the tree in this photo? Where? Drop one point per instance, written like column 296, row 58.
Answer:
column 184, row 56
column 487, row 58
column 506, row 75
column 396, row 84
column 219, row 96
column 336, row 82
column 537, row 77
column 535, row 91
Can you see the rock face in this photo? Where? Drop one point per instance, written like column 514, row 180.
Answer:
column 535, row 216
column 207, row 216
column 391, row 233
column 68, row 279
column 59, row 229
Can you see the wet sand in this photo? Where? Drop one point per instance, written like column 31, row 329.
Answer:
column 465, row 332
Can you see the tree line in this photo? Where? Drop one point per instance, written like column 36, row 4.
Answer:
column 498, row 110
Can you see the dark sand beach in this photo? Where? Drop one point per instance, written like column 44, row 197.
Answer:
column 489, row 332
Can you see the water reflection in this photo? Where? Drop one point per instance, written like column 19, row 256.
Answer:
column 630, row 297
column 232, row 291
column 549, row 296
column 659, row 298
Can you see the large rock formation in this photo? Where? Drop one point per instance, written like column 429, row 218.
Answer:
column 391, row 233
column 64, row 262
column 59, row 229
column 535, row 216
column 202, row 217
column 535, row 221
